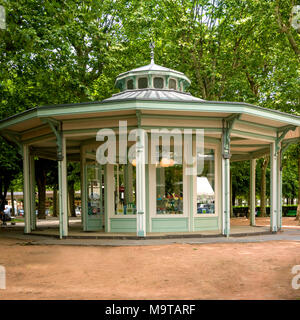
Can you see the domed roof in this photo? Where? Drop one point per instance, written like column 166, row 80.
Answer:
column 153, row 82
column 152, row 67
column 153, row 94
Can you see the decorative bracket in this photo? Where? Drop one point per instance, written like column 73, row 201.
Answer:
column 56, row 127
column 228, row 124
column 281, row 136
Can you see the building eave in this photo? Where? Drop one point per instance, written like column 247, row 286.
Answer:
column 149, row 104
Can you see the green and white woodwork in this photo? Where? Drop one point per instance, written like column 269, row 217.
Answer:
column 83, row 187
column 140, row 184
column 32, row 192
column 279, row 181
column 274, row 203
column 27, row 188
column 63, row 191
column 252, row 191
column 236, row 131
column 226, row 197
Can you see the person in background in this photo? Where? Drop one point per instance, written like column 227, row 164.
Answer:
column 3, row 217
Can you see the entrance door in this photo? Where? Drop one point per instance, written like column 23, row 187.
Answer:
column 95, row 219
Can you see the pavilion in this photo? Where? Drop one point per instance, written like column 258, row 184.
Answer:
column 142, row 197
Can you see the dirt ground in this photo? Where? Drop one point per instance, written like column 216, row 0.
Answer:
column 242, row 221
column 176, row 271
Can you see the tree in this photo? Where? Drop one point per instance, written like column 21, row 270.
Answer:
column 68, row 51
column 41, row 168
column 283, row 12
column 52, row 182
column 73, row 178
column 10, row 166
column 54, row 52
column 263, row 197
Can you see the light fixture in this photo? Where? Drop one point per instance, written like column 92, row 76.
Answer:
column 166, row 162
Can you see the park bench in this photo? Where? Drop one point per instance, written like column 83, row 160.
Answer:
column 291, row 213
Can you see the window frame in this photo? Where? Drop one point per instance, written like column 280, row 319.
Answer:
column 127, row 84
column 216, row 149
column 114, row 211
column 185, row 213
column 158, row 76
column 141, row 77
column 175, row 84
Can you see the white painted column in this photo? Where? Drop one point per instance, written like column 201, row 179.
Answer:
column 140, row 184
column 109, row 197
column 63, row 192
column 192, row 190
column 226, row 196
column 32, row 193
column 83, row 188
column 26, row 189
column 252, row 191
column 274, row 189
column 152, row 194
column 279, row 186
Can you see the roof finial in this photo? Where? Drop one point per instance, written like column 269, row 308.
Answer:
column 152, row 46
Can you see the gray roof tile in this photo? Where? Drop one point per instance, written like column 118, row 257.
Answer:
column 153, row 94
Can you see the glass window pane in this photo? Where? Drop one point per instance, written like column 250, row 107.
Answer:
column 206, row 182
column 143, row 83
column 172, row 84
column 158, row 83
column 125, row 185
column 169, row 188
column 130, row 84
column 95, row 185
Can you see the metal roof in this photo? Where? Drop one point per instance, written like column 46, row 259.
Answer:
column 151, row 67
column 153, row 94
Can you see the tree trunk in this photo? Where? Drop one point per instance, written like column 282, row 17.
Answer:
column 71, row 191
column 54, row 201
column 298, row 207
column 41, row 183
column 12, row 203
column 249, row 208
column 263, row 190
column 4, row 184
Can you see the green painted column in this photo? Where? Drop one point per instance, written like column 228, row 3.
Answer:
column 148, row 217
column 252, row 191
column 279, row 186
column 140, row 184
column 274, row 188
column 63, row 191
column 106, row 219
column 83, row 188
column 109, row 197
column 226, row 197
column 32, row 193
column 191, row 179
column 26, row 189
